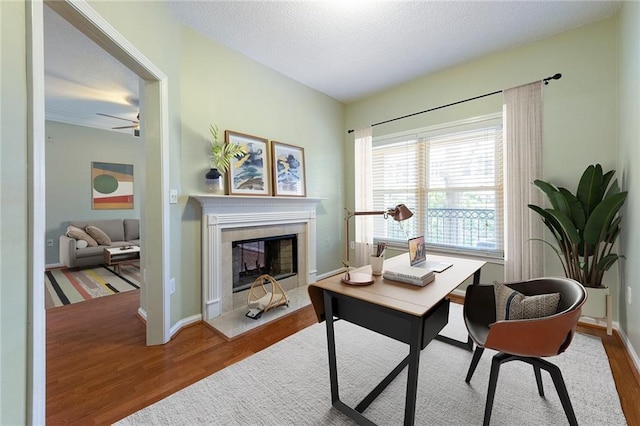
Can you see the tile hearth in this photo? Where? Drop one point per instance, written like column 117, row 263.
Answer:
column 235, row 323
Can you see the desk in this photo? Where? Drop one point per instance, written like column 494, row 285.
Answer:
column 410, row 314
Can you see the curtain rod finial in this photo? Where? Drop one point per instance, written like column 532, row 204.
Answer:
column 556, row 76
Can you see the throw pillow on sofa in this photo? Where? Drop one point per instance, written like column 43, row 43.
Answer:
column 79, row 234
column 99, row 235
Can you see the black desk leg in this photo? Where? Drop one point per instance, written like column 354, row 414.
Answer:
column 412, row 372
column 333, row 367
column 331, row 343
column 468, row 345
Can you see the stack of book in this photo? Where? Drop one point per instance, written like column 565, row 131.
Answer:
column 410, row 275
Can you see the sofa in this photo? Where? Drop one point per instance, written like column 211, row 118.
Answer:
column 84, row 242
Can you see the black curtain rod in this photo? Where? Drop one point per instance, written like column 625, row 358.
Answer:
column 546, row 81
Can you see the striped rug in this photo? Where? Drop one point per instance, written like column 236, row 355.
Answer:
column 65, row 286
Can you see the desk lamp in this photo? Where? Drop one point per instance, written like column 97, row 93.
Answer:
column 398, row 213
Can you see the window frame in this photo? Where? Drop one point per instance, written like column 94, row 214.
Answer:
column 421, row 192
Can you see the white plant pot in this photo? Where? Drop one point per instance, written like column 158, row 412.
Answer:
column 596, row 304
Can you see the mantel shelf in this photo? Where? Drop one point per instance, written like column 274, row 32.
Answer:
column 235, row 198
column 211, row 203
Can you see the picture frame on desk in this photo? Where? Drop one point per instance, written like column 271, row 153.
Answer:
column 289, row 178
column 249, row 174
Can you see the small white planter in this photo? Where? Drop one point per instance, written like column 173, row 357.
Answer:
column 598, row 305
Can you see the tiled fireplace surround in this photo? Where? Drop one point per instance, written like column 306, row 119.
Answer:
column 232, row 218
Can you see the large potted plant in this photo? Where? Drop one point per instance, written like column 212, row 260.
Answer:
column 221, row 155
column 585, row 227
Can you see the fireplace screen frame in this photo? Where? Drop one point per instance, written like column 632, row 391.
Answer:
column 265, row 254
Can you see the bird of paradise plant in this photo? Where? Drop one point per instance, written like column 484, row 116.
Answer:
column 586, row 225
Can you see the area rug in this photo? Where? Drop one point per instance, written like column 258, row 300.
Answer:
column 65, row 286
column 288, row 384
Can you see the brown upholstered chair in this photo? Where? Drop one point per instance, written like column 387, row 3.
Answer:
column 527, row 340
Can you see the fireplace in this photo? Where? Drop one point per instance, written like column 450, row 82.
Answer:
column 276, row 256
column 229, row 219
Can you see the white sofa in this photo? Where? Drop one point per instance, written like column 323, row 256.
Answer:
column 123, row 232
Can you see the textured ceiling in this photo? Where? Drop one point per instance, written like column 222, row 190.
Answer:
column 81, row 79
column 351, row 49
column 347, row 49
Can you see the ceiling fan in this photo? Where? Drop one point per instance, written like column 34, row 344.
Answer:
column 135, row 125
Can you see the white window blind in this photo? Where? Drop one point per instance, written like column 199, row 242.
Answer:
column 451, row 179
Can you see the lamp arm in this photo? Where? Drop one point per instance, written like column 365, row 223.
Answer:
column 351, row 214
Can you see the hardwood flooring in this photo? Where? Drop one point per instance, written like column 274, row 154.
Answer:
column 100, row 371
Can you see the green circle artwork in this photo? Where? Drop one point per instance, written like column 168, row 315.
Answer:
column 105, row 184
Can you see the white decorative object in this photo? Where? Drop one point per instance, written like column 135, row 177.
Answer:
column 376, row 264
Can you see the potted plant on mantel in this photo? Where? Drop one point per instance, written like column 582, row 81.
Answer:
column 585, row 227
column 221, row 154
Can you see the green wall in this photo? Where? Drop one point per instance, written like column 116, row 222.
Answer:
column 70, row 150
column 579, row 110
column 209, row 83
column 222, row 87
column 13, row 216
column 628, row 169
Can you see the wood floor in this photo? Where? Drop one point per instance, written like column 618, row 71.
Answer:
column 100, row 371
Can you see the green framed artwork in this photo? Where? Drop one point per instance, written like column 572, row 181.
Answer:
column 111, row 186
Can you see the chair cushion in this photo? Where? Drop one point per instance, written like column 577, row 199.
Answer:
column 99, row 235
column 512, row 305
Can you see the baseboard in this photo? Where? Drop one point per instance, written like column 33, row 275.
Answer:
column 329, row 274
column 142, row 314
column 459, row 292
column 630, row 350
column 53, row 265
column 184, row 323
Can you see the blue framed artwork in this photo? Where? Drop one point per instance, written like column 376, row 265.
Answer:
column 288, row 170
column 249, row 173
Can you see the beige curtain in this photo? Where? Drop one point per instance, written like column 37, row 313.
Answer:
column 523, row 155
column 363, row 196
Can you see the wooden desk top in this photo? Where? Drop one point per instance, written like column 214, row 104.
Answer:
column 402, row 297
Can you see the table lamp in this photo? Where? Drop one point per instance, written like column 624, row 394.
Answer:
column 398, row 213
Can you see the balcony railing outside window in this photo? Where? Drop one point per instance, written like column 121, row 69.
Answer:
column 462, row 228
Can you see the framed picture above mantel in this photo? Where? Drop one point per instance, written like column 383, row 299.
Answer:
column 250, row 173
column 288, row 170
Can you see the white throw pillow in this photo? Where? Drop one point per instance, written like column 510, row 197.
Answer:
column 80, row 244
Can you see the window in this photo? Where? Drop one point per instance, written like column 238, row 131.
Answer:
column 451, row 178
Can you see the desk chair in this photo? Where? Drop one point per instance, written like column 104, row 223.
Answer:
column 527, row 340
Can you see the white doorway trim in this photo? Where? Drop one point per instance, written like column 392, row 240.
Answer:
column 156, row 258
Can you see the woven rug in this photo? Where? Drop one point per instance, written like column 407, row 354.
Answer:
column 65, row 286
column 288, row 384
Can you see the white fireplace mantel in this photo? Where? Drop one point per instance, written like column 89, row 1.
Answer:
column 221, row 212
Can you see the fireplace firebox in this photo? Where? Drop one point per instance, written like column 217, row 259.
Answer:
column 276, row 256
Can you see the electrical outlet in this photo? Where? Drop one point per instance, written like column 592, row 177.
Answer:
column 352, row 245
column 629, row 295
column 172, row 285
column 49, row 243
column 173, row 196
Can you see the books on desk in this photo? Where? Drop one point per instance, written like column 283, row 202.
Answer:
column 409, row 275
